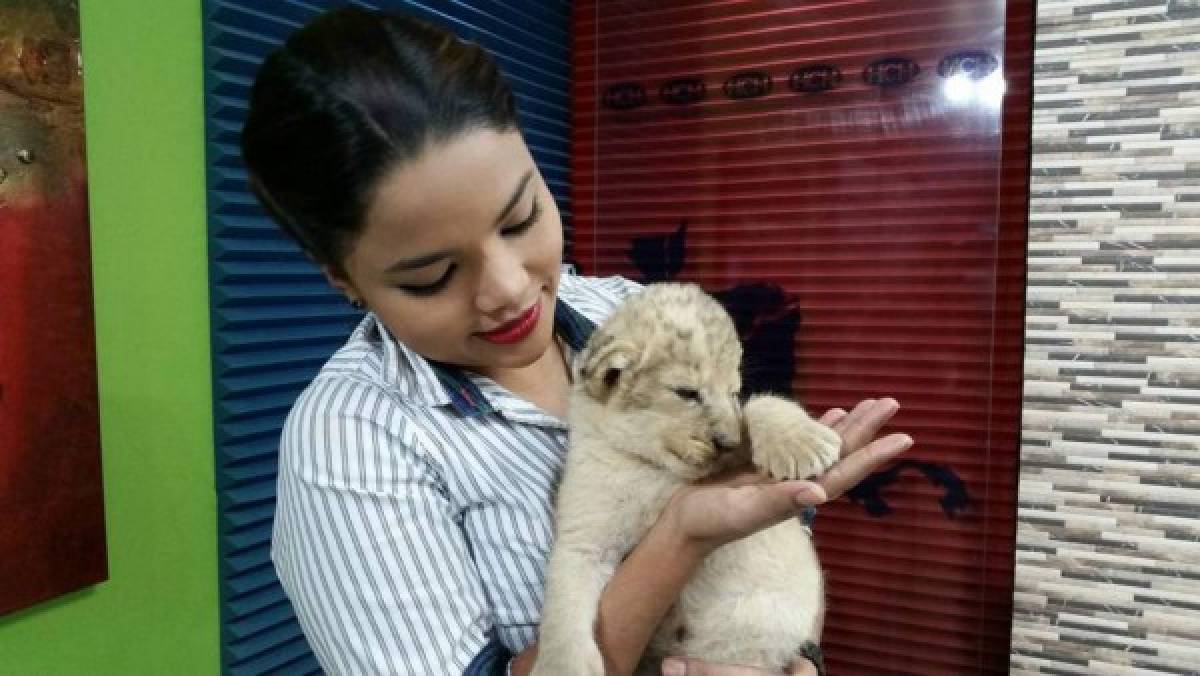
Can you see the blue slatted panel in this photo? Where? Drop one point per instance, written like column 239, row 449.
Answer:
column 274, row 320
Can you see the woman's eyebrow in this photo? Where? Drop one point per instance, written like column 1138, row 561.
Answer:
column 516, row 197
column 430, row 259
column 418, row 262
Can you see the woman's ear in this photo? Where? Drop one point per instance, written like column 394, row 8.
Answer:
column 339, row 282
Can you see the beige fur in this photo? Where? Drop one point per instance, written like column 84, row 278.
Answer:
column 634, row 441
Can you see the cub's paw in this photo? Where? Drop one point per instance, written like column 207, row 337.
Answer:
column 785, row 442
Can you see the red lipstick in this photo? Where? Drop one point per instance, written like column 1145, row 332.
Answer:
column 516, row 330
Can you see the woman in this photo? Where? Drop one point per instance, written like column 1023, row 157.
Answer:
column 417, row 471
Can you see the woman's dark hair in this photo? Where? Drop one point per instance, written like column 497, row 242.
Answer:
column 350, row 96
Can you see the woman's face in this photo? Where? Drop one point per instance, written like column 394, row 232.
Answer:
column 459, row 256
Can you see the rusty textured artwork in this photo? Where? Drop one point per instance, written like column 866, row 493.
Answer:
column 51, row 502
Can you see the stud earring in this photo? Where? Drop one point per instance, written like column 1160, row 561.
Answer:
column 357, row 304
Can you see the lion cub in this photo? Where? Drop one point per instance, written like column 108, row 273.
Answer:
column 655, row 406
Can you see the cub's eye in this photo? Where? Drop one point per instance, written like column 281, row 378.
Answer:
column 687, row 394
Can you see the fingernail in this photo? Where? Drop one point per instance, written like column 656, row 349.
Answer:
column 674, row 666
column 897, row 446
column 807, row 494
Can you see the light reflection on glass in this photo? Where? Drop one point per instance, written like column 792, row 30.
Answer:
column 961, row 89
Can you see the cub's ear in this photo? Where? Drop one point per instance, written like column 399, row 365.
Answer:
column 603, row 366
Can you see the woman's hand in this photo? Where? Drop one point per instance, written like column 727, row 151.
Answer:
column 861, row 452
column 731, row 506
column 679, row 666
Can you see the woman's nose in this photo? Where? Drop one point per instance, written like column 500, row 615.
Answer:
column 503, row 281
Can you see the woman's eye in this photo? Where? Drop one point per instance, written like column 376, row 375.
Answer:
column 526, row 224
column 687, row 394
column 428, row 289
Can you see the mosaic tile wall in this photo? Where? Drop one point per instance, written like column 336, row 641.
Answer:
column 1108, row 554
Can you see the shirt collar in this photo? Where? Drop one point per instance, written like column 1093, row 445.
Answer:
column 443, row 384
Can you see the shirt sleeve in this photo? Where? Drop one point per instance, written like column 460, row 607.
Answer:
column 597, row 297
column 620, row 287
column 630, row 287
column 367, row 545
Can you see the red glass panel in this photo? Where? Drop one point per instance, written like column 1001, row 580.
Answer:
column 851, row 177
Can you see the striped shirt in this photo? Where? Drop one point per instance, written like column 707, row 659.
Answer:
column 415, row 502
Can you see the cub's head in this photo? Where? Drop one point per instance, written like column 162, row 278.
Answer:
column 660, row 379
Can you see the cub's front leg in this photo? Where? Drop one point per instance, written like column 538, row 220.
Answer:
column 785, row 442
column 575, row 580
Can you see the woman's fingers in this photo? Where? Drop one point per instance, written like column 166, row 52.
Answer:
column 860, row 425
column 854, row 467
column 802, row 667
column 832, row 417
